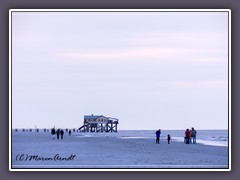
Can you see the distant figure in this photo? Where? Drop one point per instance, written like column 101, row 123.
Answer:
column 53, row 132
column 158, row 133
column 193, row 134
column 168, row 138
column 187, row 135
column 69, row 132
column 190, row 137
column 62, row 132
column 58, row 133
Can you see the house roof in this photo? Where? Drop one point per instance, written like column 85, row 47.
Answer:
column 92, row 116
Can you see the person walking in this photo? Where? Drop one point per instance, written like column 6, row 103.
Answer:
column 158, row 133
column 53, row 132
column 62, row 132
column 69, row 132
column 58, row 133
column 193, row 134
column 168, row 138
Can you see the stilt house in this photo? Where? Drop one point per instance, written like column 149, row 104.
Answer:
column 99, row 123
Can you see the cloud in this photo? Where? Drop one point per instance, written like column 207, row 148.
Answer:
column 132, row 54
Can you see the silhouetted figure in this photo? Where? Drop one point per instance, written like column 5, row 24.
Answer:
column 193, row 134
column 58, row 133
column 61, row 132
column 190, row 137
column 53, row 132
column 168, row 138
column 69, row 132
column 187, row 136
column 158, row 133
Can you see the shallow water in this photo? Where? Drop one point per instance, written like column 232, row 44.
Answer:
column 206, row 137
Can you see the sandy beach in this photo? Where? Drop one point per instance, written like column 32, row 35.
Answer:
column 39, row 150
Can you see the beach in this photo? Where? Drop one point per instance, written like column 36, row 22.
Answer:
column 96, row 151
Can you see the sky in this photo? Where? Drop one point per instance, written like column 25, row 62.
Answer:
column 151, row 70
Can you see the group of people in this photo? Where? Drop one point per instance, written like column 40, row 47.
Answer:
column 58, row 133
column 158, row 133
column 190, row 136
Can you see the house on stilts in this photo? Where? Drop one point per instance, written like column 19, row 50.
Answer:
column 99, row 123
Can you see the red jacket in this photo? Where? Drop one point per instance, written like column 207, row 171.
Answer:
column 187, row 133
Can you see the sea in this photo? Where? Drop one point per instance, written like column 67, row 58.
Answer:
column 206, row 137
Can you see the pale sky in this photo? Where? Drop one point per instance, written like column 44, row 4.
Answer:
column 151, row 70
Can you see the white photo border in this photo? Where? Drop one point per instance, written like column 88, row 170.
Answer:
column 119, row 10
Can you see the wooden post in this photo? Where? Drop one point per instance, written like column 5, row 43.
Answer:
column 107, row 127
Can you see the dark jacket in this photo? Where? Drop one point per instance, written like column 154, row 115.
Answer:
column 58, row 131
column 168, row 137
column 194, row 132
column 53, row 131
column 158, row 133
column 62, row 132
